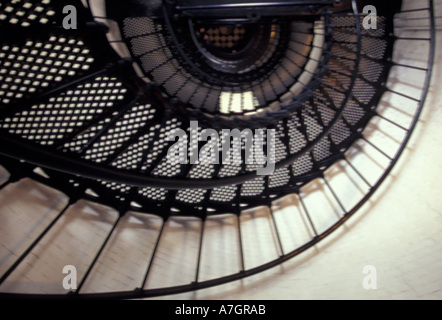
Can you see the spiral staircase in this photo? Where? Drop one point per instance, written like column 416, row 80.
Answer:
column 86, row 109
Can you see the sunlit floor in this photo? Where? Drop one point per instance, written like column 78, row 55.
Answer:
column 396, row 235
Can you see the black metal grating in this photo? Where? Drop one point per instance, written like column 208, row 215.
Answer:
column 26, row 13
